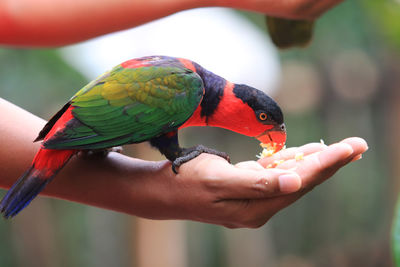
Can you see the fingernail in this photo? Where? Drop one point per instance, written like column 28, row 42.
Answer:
column 289, row 183
column 358, row 157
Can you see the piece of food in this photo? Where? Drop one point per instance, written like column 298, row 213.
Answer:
column 265, row 153
column 268, row 150
column 299, row 156
column 275, row 163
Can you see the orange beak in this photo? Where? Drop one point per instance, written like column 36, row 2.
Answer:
column 274, row 138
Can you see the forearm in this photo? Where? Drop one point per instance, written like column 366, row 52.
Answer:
column 61, row 22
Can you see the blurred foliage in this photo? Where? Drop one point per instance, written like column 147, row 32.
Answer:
column 396, row 235
column 385, row 14
column 29, row 77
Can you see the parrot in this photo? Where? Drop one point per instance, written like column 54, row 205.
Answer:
column 146, row 99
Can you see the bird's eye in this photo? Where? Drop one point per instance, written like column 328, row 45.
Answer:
column 262, row 116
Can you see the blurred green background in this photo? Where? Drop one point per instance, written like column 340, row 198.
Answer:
column 344, row 84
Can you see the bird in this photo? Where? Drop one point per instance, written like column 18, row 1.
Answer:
column 146, row 99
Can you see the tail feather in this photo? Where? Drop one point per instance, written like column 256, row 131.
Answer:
column 45, row 166
column 22, row 192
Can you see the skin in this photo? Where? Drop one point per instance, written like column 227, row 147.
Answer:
column 47, row 23
column 207, row 188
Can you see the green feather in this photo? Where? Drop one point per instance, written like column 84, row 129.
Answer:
column 131, row 105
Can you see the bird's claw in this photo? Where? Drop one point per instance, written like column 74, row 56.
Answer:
column 174, row 166
column 191, row 153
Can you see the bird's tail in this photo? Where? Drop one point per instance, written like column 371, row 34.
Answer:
column 45, row 166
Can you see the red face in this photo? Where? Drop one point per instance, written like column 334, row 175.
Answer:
column 274, row 138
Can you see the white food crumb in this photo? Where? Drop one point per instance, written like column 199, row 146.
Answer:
column 275, row 163
column 299, row 156
column 268, row 150
column 265, row 153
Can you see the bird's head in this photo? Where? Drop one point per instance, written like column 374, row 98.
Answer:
column 242, row 109
column 267, row 118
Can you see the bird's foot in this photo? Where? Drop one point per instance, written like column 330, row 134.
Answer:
column 191, row 153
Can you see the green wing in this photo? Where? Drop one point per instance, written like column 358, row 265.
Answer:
column 130, row 106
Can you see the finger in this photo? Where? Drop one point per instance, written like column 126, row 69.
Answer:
column 253, row 213
column 358, row 157
column 358, row 144
column 226, row 181
column 313, row 170
column 320, row 166
column 290, row 153
column 251, row 165
column 238, row 183
column 259, row 211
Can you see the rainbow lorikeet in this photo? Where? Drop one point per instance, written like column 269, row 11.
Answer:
column 146, row 99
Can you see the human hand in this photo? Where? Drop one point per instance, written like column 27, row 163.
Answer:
column 291, row 9
column 208, row 189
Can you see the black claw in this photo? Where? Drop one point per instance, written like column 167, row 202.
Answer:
column 191, row 153
column 204, row 149
column 174, row 168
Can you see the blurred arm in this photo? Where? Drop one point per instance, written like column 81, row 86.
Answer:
column 61, row 22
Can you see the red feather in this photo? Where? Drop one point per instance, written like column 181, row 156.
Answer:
column 228, row 115
column 49, row 161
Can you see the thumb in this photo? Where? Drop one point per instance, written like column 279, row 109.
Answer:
column 246, row 183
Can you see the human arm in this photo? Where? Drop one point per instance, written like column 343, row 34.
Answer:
column 60, row 22
column 207, row 188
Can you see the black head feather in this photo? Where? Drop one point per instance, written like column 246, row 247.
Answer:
column 259, row 102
